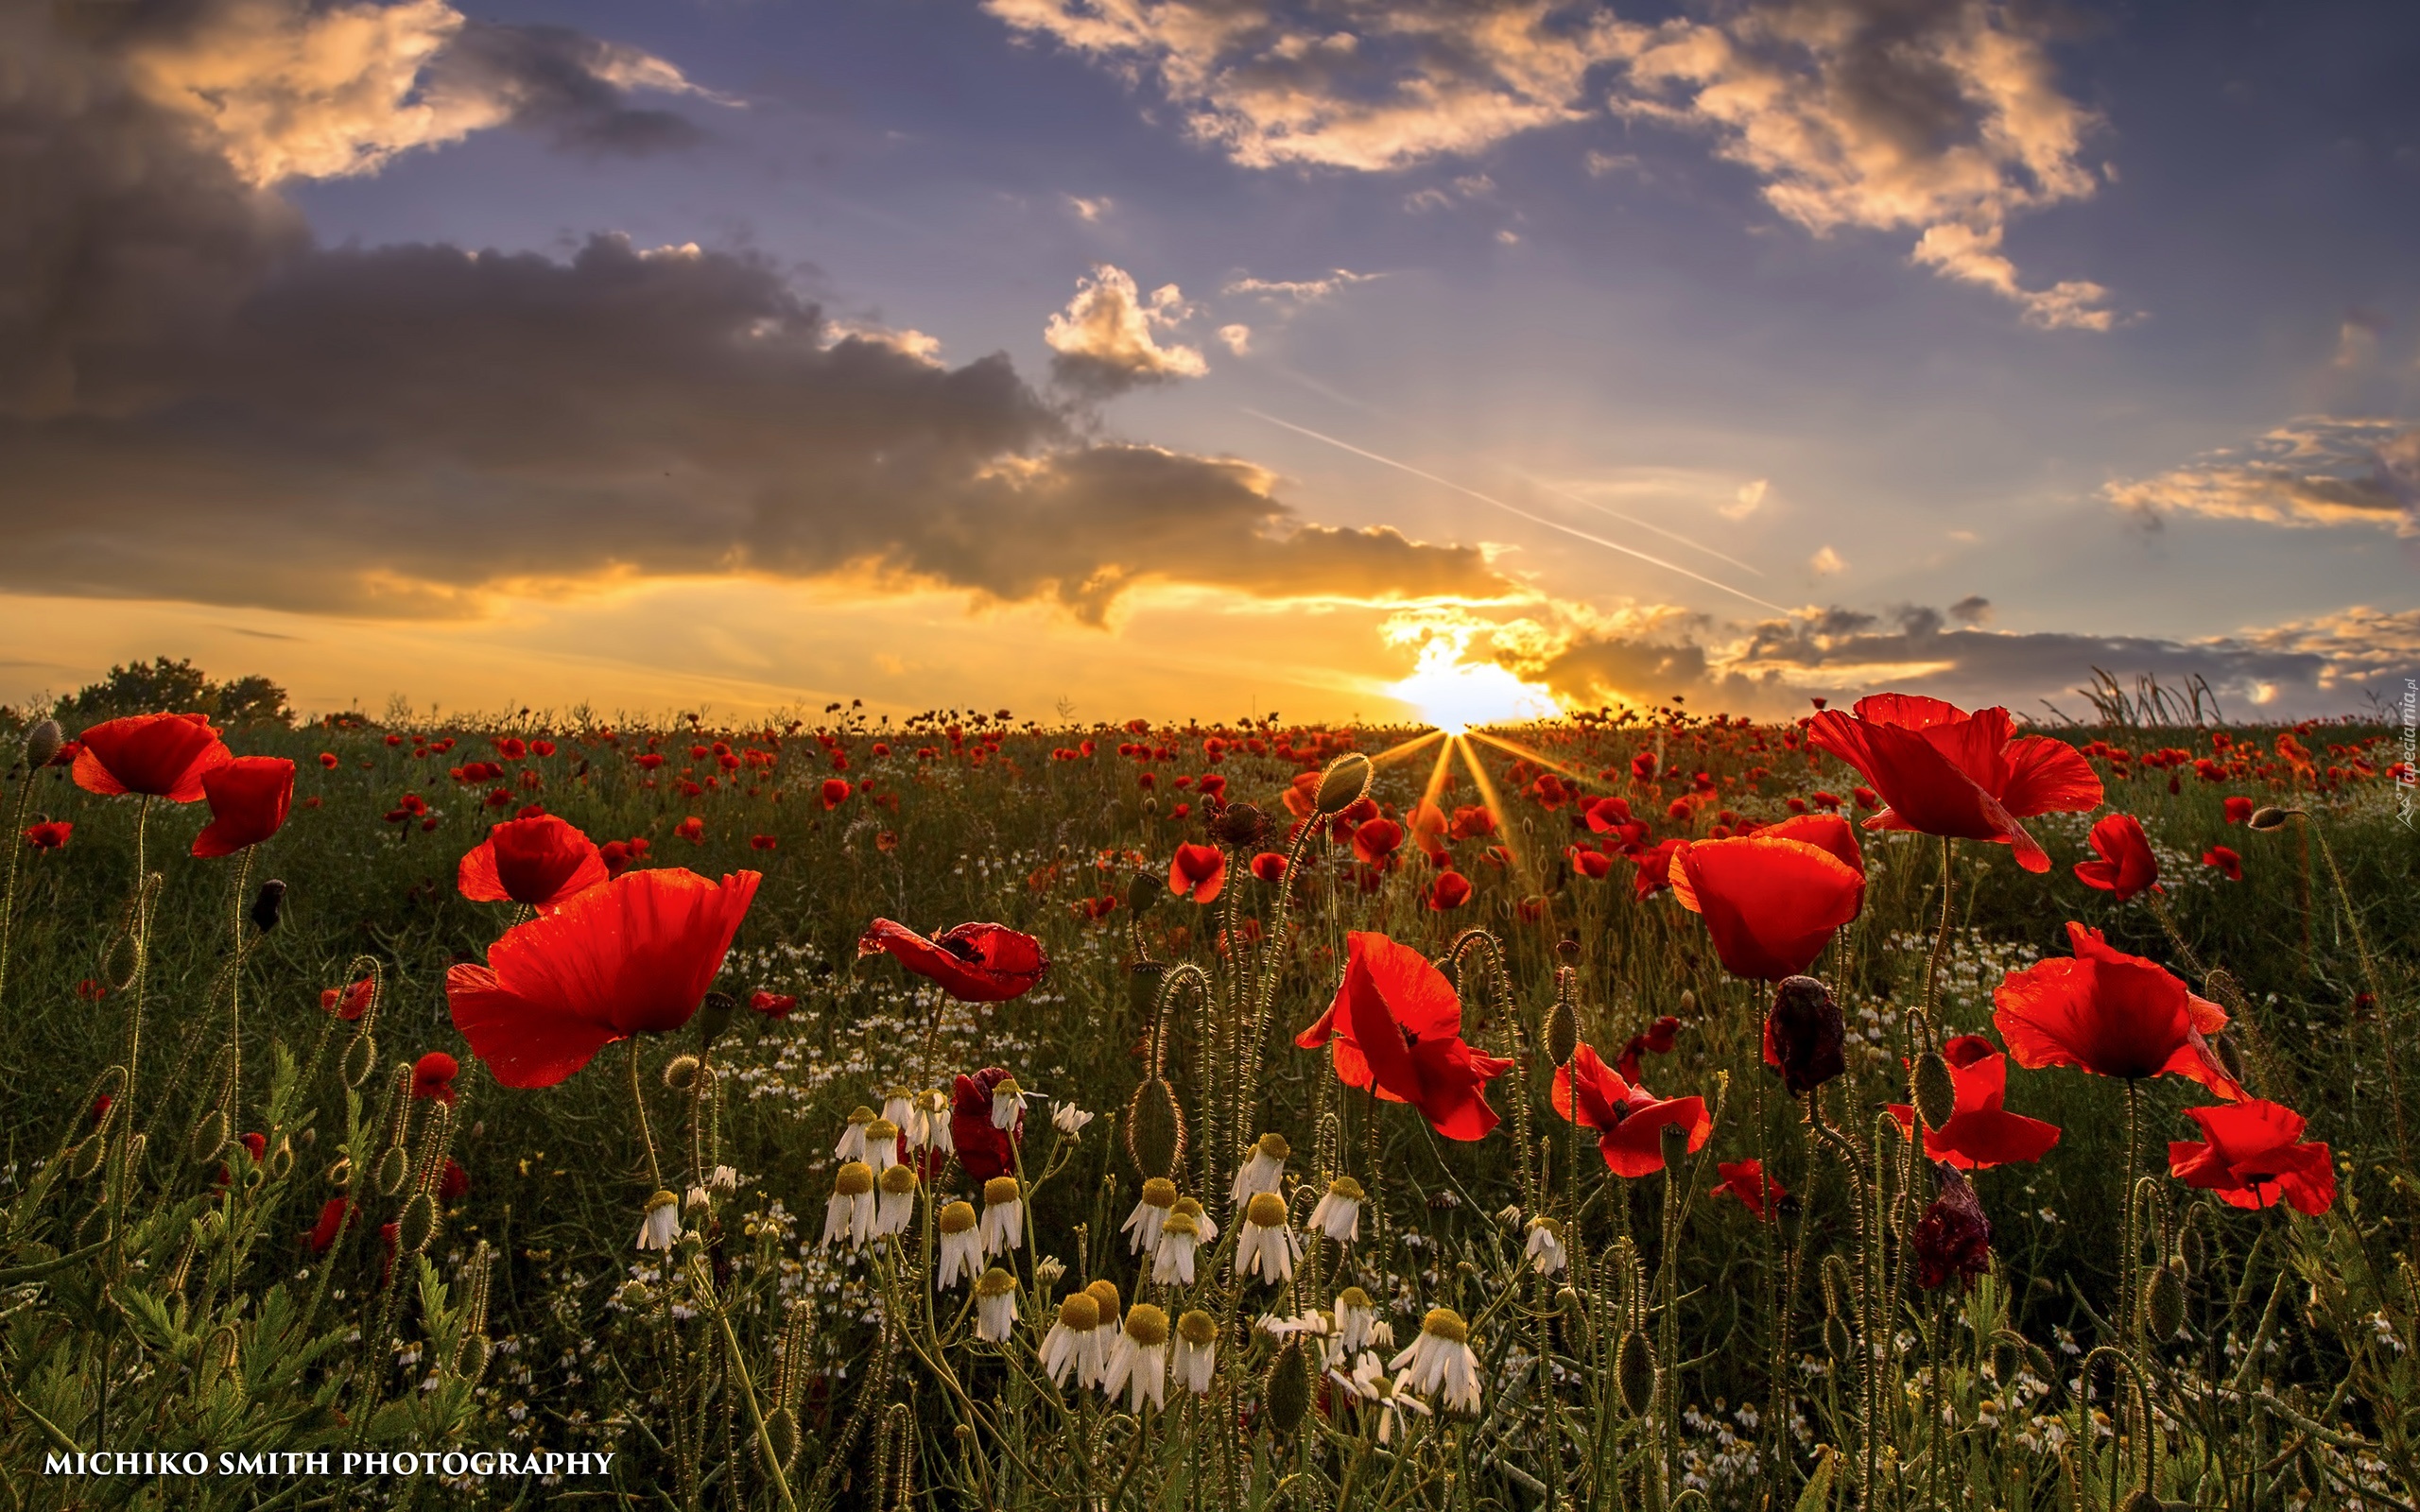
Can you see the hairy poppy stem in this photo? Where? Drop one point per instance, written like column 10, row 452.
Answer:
column 638, row 1105
column 17, row 847
column 1940, row 945
column 2129, row 1254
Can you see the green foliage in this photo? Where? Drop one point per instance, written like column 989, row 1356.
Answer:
column 178, row 686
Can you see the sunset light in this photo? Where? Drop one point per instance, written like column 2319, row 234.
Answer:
column 1456, row 696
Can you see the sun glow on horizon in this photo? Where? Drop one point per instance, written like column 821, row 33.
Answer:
column 1456, row 696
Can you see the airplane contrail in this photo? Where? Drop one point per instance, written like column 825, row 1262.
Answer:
column 1515, row 509
column 1643, row 524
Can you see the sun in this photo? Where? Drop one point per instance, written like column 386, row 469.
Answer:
column 1456, row 696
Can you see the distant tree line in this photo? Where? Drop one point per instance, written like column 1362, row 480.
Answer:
column 175, row 687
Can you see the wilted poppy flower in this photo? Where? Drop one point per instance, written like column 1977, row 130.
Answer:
column 1746, row 1180
column 1804, row 1035
column 1396, row 1028
column 834, row 792
column 2253, row 1158
column 2238, row 810
column 2110, row 1013
column 1981, row 1133
column 1374, row 841
column 350, row 1003
column 49, row 834
column 2126, row 865
column 1197, row 871
column 1450, row 890
column 249, row 799
column 984, row 1148
column 1771, row 904
column 542, row 862
column 2223, row 857
column 433, row 1076
column 1943, row 772
column 973, row 963
column 1269, row 867
column 322, row 1236
column 162, row 755
column 634, row 955
column 772, row 1004
column 1953, row 1238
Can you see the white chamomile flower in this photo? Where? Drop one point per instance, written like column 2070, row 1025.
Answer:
column 1263, row 1170
column 852, row 1139
column 1159, row 1195
column 1138, row 1361
column 1068, row 1119
column 849, row 1215
column 1003, row 1215
column 1265, row 1245
column 1073, row 1347
column 930, row 1129
column 1544, row 1247
column 1172, row 1256
column 995, row 1306
column 1355, row 1319
column 662, row 1223
column 898, row 1106
column 1007, row 1103
column 1442, row 1358
column 882, row 1144
column 896, row 1199
column 1197, row 1352
column 1339, row 1214
column 962, row 1246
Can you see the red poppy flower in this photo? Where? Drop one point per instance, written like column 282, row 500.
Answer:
column 1594, row 865
column 1746, row 1180
column 1771, row 904
column 1655, row 868
column 834, row 792
column 49, row 834
column 1607, row 814
column 1952, row 1237
column 1980, row 1132
column 1657, row 1040
column 452, row 1183
column 348, row 1004
column 2238, row 810
column 2253, row 1158
column 2111, row 1014
column 1943, row 772
column 1428, row 825
column 2126, row 865
column 621, row 855
column 164, row 755
column 322, row 1236
column 984, row 1148
column 1642, row 766
column 1197, row 871
column 328, row 758
column 542, row 862
column 1397, row 1030
column 1635, row 1147
column 631, row 956
column 1269, row 867
column 762, row 842
column 1472, row 823
column 973, row 963
column 1450, row 890
column 2223, row 857
column 433, row 1076
column 692, row 829
column 1374, row 841
column 772, row 1004
column 1600, row 1090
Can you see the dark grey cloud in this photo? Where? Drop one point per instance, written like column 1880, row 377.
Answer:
column 197, row 402
column 570, row 87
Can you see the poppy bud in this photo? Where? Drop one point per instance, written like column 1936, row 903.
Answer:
column 1634, row 1372
column 1150, row 806
column 268, row 905
column 42, row 743
column 713, row 1016
column 1345, row 783
column 2269, row 816
column 393, row 1167
column 281, row 1160
column 1838, row 1340
column 208, row 1135
column 1935, row 1090
column 360, row 1058
column 1287, row 1391
column 1804, row 1035
column 417, row 1223
column 680, row 1073
column 2229, row 1056
column 87, row 1158
column 1562, row 1033
column 2192, row 1252
column 1142, row 892
column 470, row 1359
column 781, row 1431
column 2163, row 1301
column 1688, row 1000
column 1838, row 1291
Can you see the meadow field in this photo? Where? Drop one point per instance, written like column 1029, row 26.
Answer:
column 964, row 1113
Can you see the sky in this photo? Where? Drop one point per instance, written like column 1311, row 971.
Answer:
column 1212, row 358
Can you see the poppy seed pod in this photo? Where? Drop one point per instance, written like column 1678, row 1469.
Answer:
column 42, row 743
column 1805, row 1035
column 2269, row 816
column 1934, row 1089
column 1142, row 892
column 1345, row 783
column 267, row 905
column 1240, row 826
column 1672, row 1143
column 1287, row 1390
column 1634, row 1372
column 713, row 1016
column 2163, row 1301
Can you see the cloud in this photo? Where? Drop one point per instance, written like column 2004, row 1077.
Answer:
column 1972, row 610
column 1825, row 562
column 2320, row 665
column 2317, row 470
column 1301, row 291
column 1104, row 342
column 197, row 402
column 1236, row 339
column 1750, row 498
column 1943, row 117
column 1091, row 210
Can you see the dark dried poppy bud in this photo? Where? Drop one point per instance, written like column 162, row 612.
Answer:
column 1953, row 1238
column 1344, row 784
column 268, row 905
column 42, row 743
column 1287, row 1391
column 2269, row 817
column 1239, row 827
column 1935, row 1090
column 1804, row 1034
column 2163, row 1302
column 1634, row 1372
